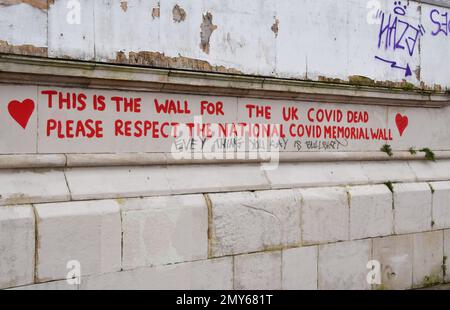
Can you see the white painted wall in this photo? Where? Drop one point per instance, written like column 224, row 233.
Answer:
column 326, row 38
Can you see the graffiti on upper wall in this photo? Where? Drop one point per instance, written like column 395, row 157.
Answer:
column 441, row 22
column 399, row 37
column 397, row 33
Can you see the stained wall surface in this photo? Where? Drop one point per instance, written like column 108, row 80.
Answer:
column 350, row 40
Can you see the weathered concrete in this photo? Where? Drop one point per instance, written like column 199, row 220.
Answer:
column 248, row 222
column 371, row 213
column 412, row 207
column 445, row 260
column 91, row 235
column 299, row 268
column 32, row 186
column 17, row 245
column 395, row 254
column 441, row 204
column 259, row 271
column 200, row 275
column 342, row 265
column 224, row 36
column 164, row 230
column 428, row 258
column 329, row 207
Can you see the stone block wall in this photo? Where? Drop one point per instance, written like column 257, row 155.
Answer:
column 214, row 236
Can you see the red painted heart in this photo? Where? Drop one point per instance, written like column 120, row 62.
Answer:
column 402, row 123
column 21, row 111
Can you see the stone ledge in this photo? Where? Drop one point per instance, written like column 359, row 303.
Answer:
column 45, row 71
column 18, row 161
column 25, row 186
column 32, row 186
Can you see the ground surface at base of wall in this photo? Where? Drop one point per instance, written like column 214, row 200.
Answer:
column 301, row 226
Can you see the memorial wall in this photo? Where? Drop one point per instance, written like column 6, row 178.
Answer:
column 43, row 120
column 224, row 144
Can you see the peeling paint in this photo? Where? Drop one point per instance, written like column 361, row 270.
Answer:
column 39, row 4
column 156, row 11
column 321, row 78
column 365, row 81
column 436, row 88
column 360, row 80
column 275, row 26
column 417, row 73
column 207, row 27
column 25, row 49
column 178, row 13
column 234, row 46
column 124, row 5
column 156, row 59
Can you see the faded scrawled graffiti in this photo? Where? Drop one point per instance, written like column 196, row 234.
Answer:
column 398, row 34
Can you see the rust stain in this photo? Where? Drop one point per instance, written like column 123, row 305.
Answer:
column 26, row 49
column 178, row 13
column 156, row 59
column 156, row 11
column 206, row 29
column 275, row 26
column 39, row 4
column 124, row 5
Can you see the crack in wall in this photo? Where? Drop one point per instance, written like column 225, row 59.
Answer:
column 261, row 210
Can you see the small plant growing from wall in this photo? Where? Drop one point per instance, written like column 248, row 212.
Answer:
column 412, row 150
column 408, row 86
column 387, row 149
column 444, row 266
column 429, row 155
column 390, row 186
column 431, row 188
